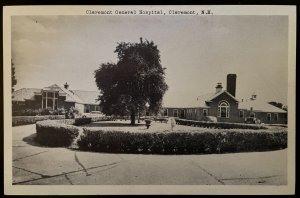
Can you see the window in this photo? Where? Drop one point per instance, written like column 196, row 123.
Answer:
column 50, row 94
column 241, row 113
column 175, row 112
column 190, row 112
column 223, row 109
column 50, row 103
column 50, row 100
column 205, row 112
column 276, row 117
column 252, row 114
column 44, row 103
column 165, row 112
column 269, row 116
column 182, row 113
column 87, row 109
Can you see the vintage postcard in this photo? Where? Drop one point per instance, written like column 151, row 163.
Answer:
column 149, row 100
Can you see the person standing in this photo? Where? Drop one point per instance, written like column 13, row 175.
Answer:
column 173, row 123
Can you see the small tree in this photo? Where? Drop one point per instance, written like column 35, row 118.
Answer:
column 276, row 104
column 138, row 78
column 13, row 77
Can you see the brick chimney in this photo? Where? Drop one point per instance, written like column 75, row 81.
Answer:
column 66, row 86
column 219, row 87
column 231, row 84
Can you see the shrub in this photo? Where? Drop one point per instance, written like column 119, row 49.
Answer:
column 181, row 142
column 71, row 113
column 55, row 133
column 82, row 121
column 23, row 120
column 38, row 112
column 219, row 125
column 102, row 118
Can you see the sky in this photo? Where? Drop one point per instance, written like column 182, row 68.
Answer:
column 197, row 51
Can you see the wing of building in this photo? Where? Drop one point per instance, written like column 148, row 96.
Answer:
column 223, row 105
column 54, row 97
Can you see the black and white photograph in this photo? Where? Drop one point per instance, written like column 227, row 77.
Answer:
column 137, row 97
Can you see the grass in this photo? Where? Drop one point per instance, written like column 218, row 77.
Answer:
column 162, row 127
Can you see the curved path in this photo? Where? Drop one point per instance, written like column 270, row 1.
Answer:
column 35, row 164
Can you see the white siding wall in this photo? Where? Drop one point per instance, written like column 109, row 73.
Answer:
column 80, row 108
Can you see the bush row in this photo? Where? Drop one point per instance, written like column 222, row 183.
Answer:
column 102, row 118
column 56, row 133
column 23, row 120
column 279, row 125
column 181, row 142
column 82, row 121
column 38, row 112
column 218, row 125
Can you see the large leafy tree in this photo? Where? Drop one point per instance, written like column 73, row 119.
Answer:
column 137, row 79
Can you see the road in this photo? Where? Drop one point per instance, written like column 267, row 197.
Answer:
column 34, row 164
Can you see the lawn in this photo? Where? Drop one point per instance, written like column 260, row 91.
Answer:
column 161, row 127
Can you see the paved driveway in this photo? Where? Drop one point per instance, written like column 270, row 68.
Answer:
column 35, row 164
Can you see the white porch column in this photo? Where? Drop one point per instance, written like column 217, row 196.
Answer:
column 53, row 100
column 42, row 100
column 46, row 100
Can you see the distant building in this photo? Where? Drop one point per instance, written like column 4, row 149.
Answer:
column 54, row 97
column 223, row 105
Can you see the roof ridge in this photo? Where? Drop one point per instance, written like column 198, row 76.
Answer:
column 27, row 88
column 84, row 90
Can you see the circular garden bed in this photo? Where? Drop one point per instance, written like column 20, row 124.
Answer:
column 183, row 140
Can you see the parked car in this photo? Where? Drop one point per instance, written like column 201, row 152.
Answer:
column 209, row 119
column 96, row 112
column 252, row 120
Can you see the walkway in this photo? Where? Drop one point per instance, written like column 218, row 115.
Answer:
column 35, row 164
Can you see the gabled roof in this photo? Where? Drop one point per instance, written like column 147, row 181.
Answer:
column 258, row 105
column 78, row 96
column 88, row 97
column 70, row 97
column 218, row 94
column 24, row 94
column 200, row 101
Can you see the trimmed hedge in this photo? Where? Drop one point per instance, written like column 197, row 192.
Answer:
column 82, row 121
column 218, row 125
column 56, row 133
column 279, row 125
column 102, row 118
column 181, row 142
column 24, row 120
column 38, row 112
